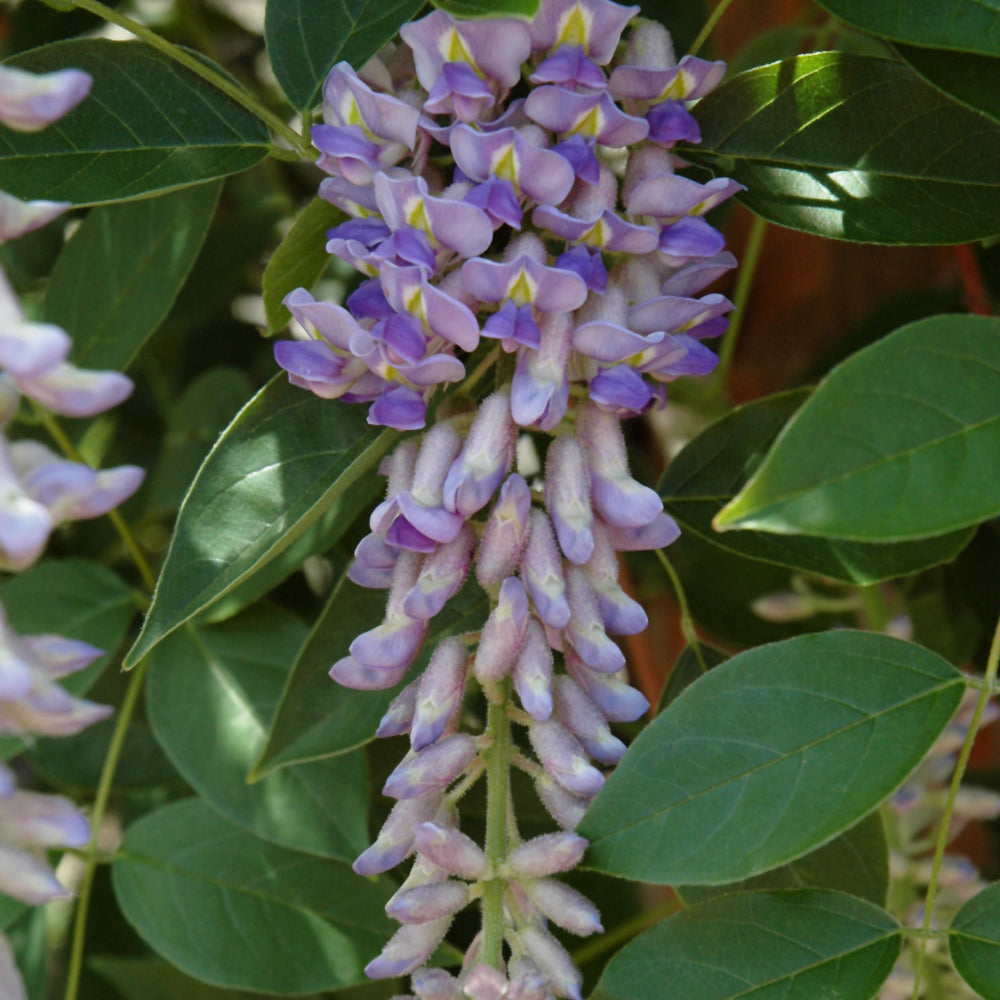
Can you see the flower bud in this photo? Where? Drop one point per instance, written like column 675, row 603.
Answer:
column 441, row 576
column 567, row 498
column 506, row 533
column 584, row 720
column 617, row 701
column 503, row 633
column 553, row 960
column 563, row 758
column 408, row 949
column 484, row 460
column 431, row 769
column 399, row 715
column 585, row 630
column 541, row 570
column 451, row 850
column 439, row 694
column 545, row 855
column 564, row 906
column 533, row 672
column 428, row 902
column 396, row 838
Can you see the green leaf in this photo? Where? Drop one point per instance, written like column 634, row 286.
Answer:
column 488, row 8
column 285, row 458
column 210, row 696
column 305, row 38
column 118, row 276
column 768, row 756
column 856, row 862
column 972, row 80
column 75, row 598
column 966, row 25
column 236, row 911
column 899, row 442
column 761, row 945
column 715, row 466
column 850, row 147
column 688, row 667
column 299, row 260
column 148, row 126
column 974, row 942
column 318, row 718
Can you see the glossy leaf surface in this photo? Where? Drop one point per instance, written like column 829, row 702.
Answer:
column 768, row 756
column 849, row 147
column 299, row 260
column 148, row 126
column 715, row 466
column 761, row 945
column 973, row 80
column 118, row 276
column 211, row 692
column 899, row 442
column 233, row 910
column 967, row 25
column 856, row 862
column 974, row 941
column 285, row 458
column 305, row 38
column 316, row 717
column 488, row 8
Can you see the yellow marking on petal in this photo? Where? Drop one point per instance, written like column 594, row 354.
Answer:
column 523, row 289
column 574, row 27
column 591, row 123
column 350, row 112
column 505, row 164
column 453, row 49
column 598, row 234
column 674, row 91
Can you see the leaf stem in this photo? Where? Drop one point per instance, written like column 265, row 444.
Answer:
column 744, row 282
column 96, row 820
column 125, row 533
column 709, row 27
column 191, row 62
column 688, row 630
column 956, row 780
column 498, row 760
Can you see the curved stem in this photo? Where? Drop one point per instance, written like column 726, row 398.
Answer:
column 186, row 59
column 129, row 540
column 956, row 780
column 498, row 761
column 744, row 282
column 687, row 622
column 96, row 819
column 709, row 27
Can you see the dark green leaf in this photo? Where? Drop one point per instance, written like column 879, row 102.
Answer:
column 299, row 260
column 488, row 8
column 10, row 910
column 850, row 147
column 974, row 941
column 688, row 667
column 117, row 278
column 761, row 945
column 148, row 126
column 970, row 79
column 318, row 718
column 278, row 467
column 305, row 38
column 716, row 465
column 856, row 862
column 210, row 696
column 966, row 25
column 233, row 910
column 900, row 442
column 768, row 756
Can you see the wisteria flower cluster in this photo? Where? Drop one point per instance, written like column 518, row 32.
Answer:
column 525, row 193
column 38, row 491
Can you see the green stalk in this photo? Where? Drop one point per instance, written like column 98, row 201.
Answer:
column 96, row 819
column 709, row 27
column 498, row 759
column 688, row 630
column 744, row 282
column 956, row 780
column 186, row 59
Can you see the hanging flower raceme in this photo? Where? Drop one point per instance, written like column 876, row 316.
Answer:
column 38, row 491
column 519, row 198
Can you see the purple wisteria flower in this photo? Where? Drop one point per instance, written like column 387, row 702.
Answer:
column 553, row 226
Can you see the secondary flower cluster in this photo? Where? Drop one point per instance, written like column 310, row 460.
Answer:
column 39, row 490
column 512, row 190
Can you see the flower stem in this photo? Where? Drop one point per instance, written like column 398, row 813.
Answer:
column 96, row 820
column 191, row 62
column 688, row 630
column 956, row 780
column 744, row 282
column 709, row 27
column 498, row 759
